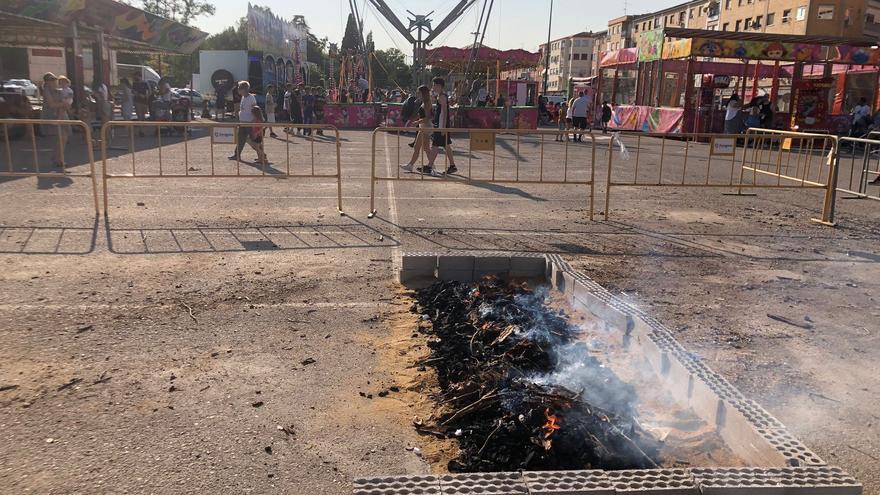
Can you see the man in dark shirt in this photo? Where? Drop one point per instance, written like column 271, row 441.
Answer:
column 141, row 91
column 320, row 100
column 308, row 101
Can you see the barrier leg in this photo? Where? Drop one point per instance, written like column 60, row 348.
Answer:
column 373, row 180
column 830, row 193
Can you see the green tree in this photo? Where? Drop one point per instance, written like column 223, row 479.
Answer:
column 182, row 11
column 352, row 37
column 371, row 47
column 391, row 70
column 231, row 38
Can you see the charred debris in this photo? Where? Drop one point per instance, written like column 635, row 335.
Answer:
column 519, row 389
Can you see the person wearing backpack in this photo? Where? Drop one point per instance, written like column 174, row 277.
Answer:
column 410, row 108
column 423, row 137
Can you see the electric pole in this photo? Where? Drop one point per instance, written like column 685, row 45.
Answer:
column 547, row 52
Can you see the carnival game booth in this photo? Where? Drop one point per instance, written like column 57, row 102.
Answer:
column 520, row 111
column 678, row 80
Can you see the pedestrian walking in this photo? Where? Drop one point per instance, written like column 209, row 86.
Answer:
column 255, row 136
column 562, row 122
column 424, row 122
column 296, row 110
column 733, row 121
column 606, row 116
column 286, row 104
column 55, row 107
column 308, row 111
column 766, row 114
column 441, row 138
column 578, row 111
column 126, row 97
column 270, row 109
column 320, row 101
column 245, row 114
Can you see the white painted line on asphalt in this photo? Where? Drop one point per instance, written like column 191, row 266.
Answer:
column 170, row 305
column 396, row 256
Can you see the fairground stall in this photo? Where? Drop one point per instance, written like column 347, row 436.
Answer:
column 678, row 80
column 515, row 101
column 81, row 34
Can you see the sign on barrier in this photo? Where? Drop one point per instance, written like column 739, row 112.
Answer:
column 223, row 135
column 482, row 141
column 723, row 146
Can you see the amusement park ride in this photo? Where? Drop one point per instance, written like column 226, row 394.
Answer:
column 420, row 32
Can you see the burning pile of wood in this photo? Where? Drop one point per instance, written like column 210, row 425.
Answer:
column 496, row 349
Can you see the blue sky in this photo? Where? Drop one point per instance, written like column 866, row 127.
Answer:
column 514, row 23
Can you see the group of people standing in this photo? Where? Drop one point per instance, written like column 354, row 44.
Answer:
column 572, row 117
column 757, row 114
column 295, row 105
column 300, row 108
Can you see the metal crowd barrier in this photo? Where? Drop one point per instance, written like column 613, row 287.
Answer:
column 858, row 165
column 532, row 162
column 58, row 138
column 178, row 134
column 773, row 160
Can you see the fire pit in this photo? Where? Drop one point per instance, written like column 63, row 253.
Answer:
column 519, row 387
column 550, row 384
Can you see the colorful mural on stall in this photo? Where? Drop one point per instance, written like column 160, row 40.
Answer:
column 753, row 50
column 809, row 103
column 857, row 55
column 619, row 57
column 647, row 119
column 677, row 49
column 650, row 45
column 351, row 116
column 114, row 19
column 496, row 118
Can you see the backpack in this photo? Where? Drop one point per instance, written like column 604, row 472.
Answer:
column 410, row 107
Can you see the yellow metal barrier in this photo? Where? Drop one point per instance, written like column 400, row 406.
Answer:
column 535, row 166
column 858, row 165
column 58, row 138
column 177, row 134
column 775, row 160
column 814, row 166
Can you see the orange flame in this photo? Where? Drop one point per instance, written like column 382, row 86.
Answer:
column 551, row 425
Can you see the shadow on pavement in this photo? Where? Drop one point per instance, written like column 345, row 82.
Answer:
column 208, row 239
column 48, row 240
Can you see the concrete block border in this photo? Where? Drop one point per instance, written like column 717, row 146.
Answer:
column 783, row 465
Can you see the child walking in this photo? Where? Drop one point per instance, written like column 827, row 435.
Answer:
column 255, row 137
column 562, row 122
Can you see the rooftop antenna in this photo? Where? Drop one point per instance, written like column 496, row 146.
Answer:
column 624, row 7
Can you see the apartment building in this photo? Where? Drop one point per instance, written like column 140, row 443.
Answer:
column 872, row 19
column 696, row 14
column 571, row 56
column 844, row 18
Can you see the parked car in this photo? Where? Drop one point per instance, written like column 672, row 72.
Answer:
column 14, row 104
column 194, row 96
column 30, row 89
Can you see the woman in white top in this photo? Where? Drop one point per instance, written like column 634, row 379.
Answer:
column 270, row 108
column 127, row 97
column 733, row 121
